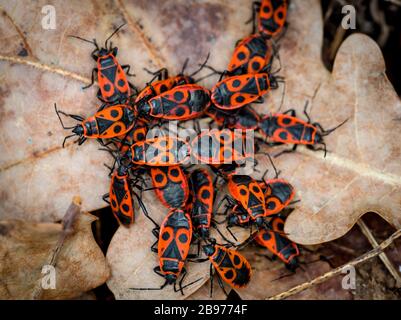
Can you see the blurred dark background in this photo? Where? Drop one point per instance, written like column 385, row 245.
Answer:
column 379, row 19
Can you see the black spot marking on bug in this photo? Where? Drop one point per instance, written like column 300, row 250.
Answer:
column 205, row 194
column 174, row 172
column 125, row 207
column 178, row 95
column 236, row 83
column 256, row 189
column 283, row 135
column 159, row 177
column 242, row 192
column 121, row 82
column 241, row 56
column 106, row 87
column 266, row 236
column 114, row 113
column 165, row 236
column 286, row 120
column 255, row 65
column 117, row 129
column 183, row 238
column 271, row 205
column 163, row 88
column 180, row 111
column 140, row 137
column 280, row 226
column 237, row 260
column 280, row 15
column 229, row 274
column 240, row 99
column 266, row 9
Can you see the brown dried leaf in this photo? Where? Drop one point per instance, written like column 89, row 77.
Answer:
column 132, row 261
column 26, row 247
column 362, row 172
column 38, row 177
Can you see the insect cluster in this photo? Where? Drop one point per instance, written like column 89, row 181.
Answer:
column 123, row 121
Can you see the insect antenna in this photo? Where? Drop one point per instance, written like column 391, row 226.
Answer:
column 328, row 131
column 114, row 32
column 184, row 66
column 75, row 117
column 201, row 66
column 85, row 40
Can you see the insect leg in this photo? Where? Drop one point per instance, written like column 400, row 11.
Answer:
column 294, row 148
column 94, row 71
column 128, row 67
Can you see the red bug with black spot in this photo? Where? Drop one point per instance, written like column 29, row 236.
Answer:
column 221, row 147
column 171, row 186
column 278, row 194
column 180, row 103
column 251, row 55
column 107, row 123
column 120, row 196
column 154, row 90
column 160, row 151
column 249, row 195
column 277, row 243
column 201, row 206
column 121, row 193
column 237, row 91
column 271, row 17
column 165, row 83
column 136, row 134
column 113, row 84
column 173, row 244
column 287, row 128
column 244, row 118
column 230, row 265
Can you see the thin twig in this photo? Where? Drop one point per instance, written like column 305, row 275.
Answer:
column 45, row 67
column 328, row 275
column 68, row 222
column 383, row 257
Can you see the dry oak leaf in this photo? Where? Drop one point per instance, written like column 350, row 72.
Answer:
column 25, row 247
column 362, row 171
column 132, row 262
column 38, row 177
